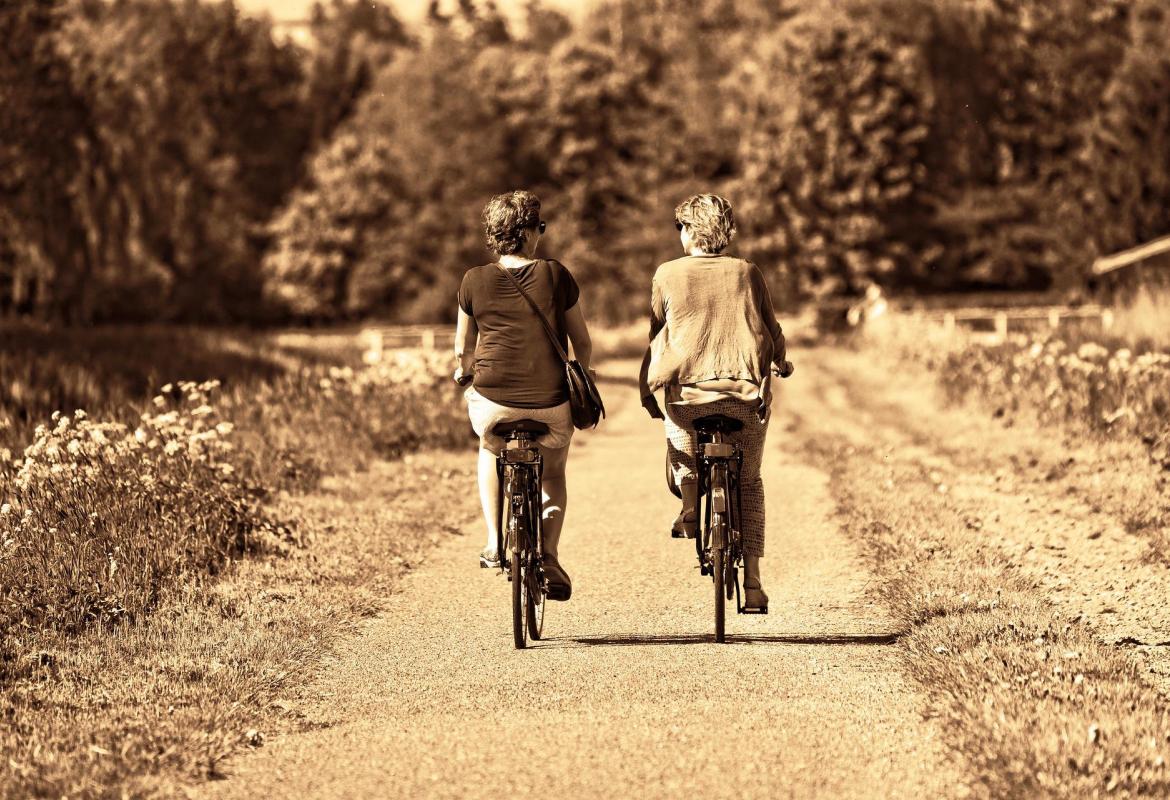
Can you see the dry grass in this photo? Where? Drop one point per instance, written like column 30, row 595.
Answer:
column 1144, row 322
column 1035, row 702
column 116, row 525
column 143, row 709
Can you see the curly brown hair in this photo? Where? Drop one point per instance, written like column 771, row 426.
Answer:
column 506, row 217
column 709, row 219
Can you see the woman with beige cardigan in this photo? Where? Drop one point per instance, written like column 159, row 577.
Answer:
column 713, row 340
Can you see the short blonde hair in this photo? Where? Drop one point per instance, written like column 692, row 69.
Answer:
column 709, row 219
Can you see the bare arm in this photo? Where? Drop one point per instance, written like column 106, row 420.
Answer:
column 466, row 336
column 657, row 322
column 579, row 334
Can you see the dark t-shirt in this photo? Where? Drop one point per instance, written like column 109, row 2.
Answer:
column 515, row 363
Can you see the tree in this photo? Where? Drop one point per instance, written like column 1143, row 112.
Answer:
column 353, row 41
column 389, row 213
column 41, row 117
column 170, row 210
column 1016, row 81
column 1115, row 192
column 837, row 108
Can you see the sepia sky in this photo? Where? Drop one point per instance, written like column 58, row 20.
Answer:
column 410, row 10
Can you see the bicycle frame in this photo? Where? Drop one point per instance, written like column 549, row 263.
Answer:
column 720, row 546
column 520, row 469
column 719, row 491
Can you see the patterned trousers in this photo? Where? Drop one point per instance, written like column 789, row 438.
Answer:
column 683, row 445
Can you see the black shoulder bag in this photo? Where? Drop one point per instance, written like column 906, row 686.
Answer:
column 584, row 399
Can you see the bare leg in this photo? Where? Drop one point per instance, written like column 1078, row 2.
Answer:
column 555, row 497
column 751, row 571
column 754, row 595
column 489, row 495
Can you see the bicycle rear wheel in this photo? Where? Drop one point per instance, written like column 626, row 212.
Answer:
column 720, row 595
column 719, row 573
column 534, row 605
column 517, row 576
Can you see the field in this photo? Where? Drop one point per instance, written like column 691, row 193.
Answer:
column 179, row 558
column 138, row 467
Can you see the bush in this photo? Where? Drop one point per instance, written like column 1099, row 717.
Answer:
column 98, row 519
column 101, row 519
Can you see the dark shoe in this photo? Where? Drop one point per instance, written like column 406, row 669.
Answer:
column 489, row 558
column 686, row 525
column 559, row 585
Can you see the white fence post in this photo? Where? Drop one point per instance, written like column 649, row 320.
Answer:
column 428, row 339
column 949, row 323
column 1054, row 318
column 1001, row 325
column 1106, row 319
column 374, row 345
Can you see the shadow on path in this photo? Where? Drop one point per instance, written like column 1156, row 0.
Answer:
column 783, row 638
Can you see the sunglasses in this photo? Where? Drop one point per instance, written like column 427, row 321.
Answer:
column 541, row 226
column 678, row 225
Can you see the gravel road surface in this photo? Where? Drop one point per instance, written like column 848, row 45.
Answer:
column 628, row 695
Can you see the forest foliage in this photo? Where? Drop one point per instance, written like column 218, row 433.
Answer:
column 175, row 160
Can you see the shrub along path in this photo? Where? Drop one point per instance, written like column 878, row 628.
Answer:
column 628, row 695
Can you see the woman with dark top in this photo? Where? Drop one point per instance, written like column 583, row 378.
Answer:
column 517, row 373
column 713, row 340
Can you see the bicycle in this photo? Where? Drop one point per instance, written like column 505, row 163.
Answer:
column 719, row 545
column 519, row 538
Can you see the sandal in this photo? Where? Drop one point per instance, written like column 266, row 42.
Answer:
column 686, row 525
column 754, row 598
column 489, row 558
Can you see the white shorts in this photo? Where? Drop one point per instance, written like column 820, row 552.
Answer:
column 485, row 414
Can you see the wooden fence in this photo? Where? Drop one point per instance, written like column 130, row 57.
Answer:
column 995, row 322
column 1001, row 320
column 377, row 339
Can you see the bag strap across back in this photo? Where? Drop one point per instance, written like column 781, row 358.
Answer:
column 552, row 335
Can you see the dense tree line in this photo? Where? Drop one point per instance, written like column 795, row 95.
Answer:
column 169, row 159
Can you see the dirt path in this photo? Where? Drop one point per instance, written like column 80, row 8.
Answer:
column 628, row 695
column 1057, row 507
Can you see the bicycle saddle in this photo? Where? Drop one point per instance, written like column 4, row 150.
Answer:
column 519, row 426
column 718, row 423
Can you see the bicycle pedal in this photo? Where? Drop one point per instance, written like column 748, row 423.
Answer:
column 761, row 610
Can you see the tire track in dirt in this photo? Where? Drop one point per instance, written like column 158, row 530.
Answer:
column 1041, row 499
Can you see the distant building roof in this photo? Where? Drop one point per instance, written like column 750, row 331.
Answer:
column 1133, row 255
